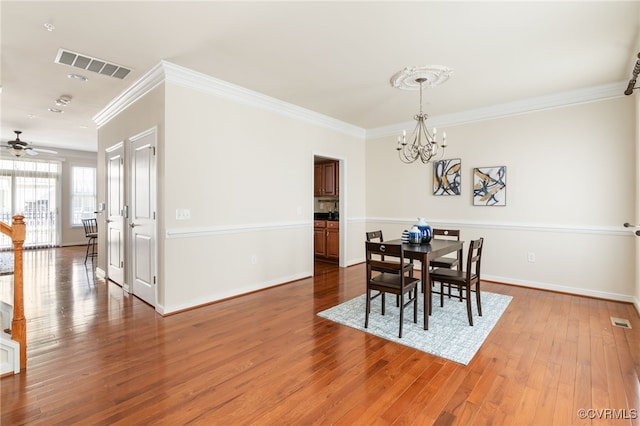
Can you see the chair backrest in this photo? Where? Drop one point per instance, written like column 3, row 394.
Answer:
column 448, row 234
column 90, row 226
column 376, row 260
column 375, row 236
column 474, row 258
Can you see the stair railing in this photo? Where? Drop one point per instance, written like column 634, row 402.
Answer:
column 17, row 232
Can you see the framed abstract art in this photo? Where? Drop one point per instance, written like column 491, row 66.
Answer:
column 490, row 186
column 446, row 177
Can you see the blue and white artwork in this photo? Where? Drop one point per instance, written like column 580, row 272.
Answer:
column 490, row 186
column 446, row 177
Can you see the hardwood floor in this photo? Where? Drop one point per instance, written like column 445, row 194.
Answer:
column 98, row 356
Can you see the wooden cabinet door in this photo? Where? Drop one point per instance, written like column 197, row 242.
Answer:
column 333, row 240
column 318, row 183
column 329, row 178
column 320, row 239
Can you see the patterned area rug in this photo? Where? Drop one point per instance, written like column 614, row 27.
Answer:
column 449, row 335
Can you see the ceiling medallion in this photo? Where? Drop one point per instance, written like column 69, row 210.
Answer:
column 413, row 78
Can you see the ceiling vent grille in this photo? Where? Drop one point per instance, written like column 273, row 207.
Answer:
column 89, row 63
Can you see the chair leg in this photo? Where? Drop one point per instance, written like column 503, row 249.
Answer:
column 478, row 298
column 469, row 305
column 401, row 314
column 86, row 255
column 367, row 309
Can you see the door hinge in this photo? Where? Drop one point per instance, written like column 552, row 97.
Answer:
column 154, row 280
column 154, row 215
column 122, row 264
column 154, row 150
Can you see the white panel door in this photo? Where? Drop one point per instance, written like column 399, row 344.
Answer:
column 142, row 218
column 115, row 213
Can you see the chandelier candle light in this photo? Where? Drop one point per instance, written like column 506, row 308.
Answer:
column 422, row 144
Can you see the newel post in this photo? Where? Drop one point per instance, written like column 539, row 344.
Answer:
column 19, row 323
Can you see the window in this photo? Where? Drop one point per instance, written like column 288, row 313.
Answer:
column 31, row 188
column 83, row 194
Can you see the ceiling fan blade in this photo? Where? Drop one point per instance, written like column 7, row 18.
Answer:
column 43, row 150
column 30, row 151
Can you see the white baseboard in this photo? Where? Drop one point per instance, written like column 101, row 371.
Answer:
column 561, row 289
column 100, row 273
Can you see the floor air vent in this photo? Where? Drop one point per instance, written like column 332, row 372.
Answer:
column 89, row 63
column 619, row 322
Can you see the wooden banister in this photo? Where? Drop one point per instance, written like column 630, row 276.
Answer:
column 17, row 232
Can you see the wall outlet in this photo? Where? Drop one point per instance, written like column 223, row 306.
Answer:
column 254, row 259
column 531, row 257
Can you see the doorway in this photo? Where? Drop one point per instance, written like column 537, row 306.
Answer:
column 328, row 229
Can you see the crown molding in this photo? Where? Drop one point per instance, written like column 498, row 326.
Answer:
column 184, row 77
column 523, row 106
column 181, row 76
column 137, row 90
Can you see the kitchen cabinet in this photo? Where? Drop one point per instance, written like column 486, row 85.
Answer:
column 333, row 240
column 320, row 238
column 326, row 235
column 325, row 179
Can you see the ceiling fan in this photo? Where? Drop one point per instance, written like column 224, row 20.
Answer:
column 19, row 148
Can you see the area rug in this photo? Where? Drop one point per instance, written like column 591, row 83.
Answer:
column 449, row 335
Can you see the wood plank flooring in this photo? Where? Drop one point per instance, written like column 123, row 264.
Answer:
column 97, row 356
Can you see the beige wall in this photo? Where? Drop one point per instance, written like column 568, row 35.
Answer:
column 246, row 176
column 245, row 173
column 637, row 193
column 570, row 185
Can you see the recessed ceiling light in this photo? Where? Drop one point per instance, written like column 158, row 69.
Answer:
column 56, row 110
column 77, row 77
column 31, row 116
column 63, row 100
column 49, row 27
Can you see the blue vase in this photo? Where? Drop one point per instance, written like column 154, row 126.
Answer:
column 415, row 235
column 427, row 232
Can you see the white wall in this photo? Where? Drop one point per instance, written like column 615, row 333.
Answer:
column 246, row 176
column 570, row 185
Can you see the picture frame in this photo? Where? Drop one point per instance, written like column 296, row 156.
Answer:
column 447, row 177
column 490, row 186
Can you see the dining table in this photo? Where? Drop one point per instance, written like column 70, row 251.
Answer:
column 424, row 253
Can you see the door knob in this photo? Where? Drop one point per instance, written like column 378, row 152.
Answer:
column 133, row 225
column 628, row 225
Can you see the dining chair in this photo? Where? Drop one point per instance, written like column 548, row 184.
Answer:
column 401, row 283
column 91, row 232
column 468, row 280
column 391, row 267
column 388, row 267
column 446, row 261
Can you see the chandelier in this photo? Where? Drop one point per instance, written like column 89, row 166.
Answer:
column 421, row 144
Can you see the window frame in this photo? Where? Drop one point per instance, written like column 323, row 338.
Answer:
column 73, row 195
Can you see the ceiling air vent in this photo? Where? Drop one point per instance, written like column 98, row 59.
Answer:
column 89, row 63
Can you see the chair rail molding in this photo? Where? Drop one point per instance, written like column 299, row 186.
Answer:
column 235, row 229
column 531, row 227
